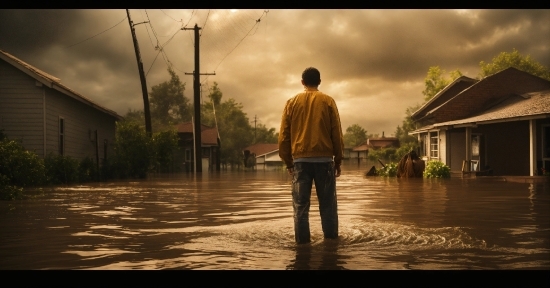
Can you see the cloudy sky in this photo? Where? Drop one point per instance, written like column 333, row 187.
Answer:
column 373, row 62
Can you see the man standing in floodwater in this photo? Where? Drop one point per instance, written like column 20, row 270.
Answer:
column 311, row 145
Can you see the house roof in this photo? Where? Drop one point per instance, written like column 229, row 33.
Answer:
column 378, row 142
column 209, row 135
column 514, row 108
column 527, row 106
column 509, row 95
column 52, row 82
column 451, row 90
column 486, row 93
column 362, row 147
column 261, row 149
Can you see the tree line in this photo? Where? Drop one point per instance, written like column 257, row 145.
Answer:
column 169, row 106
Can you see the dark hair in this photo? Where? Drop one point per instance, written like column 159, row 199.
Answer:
column 311, row 77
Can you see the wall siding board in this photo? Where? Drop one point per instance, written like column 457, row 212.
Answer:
column 21, row 108
column 22, row 117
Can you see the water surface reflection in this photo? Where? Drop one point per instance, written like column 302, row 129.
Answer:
column 243, row 220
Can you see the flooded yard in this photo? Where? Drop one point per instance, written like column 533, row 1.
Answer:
column 243, row 220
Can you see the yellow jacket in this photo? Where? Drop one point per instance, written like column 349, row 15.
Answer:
column 310, row 127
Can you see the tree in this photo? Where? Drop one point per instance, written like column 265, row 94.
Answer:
column 168, row 103
column 435, row 81
column 131, row 150
column 164, row 145
column 265, row 135
column 514, row 59
column 233, row 125
column 355, row 135
column 402, row 132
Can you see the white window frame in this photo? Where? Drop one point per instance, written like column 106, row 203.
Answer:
column 433, row 144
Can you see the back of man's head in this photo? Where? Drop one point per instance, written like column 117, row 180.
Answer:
column 311, row 77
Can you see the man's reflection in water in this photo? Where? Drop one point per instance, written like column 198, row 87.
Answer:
column 318, row 256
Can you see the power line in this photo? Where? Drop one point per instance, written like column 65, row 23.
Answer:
column 170, row 16
column 98, row 33
column 205, row 22
column 256, row 23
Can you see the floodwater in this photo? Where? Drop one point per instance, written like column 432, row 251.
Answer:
column 243, row 220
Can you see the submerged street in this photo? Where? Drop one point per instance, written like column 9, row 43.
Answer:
column 243, row 220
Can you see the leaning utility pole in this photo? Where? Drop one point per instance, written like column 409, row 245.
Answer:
column 148, row 128
column 197, row 101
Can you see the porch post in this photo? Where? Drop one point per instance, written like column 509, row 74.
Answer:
column 532, row 147
column 468, row 148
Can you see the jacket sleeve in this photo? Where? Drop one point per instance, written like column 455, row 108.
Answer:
column 337, row 136
column 285, row 150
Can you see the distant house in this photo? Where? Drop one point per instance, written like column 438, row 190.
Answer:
column 499, row 124
column 263, row 156
column 383, row 142
column 361, row 152
column 210, row 148
column 49, row 117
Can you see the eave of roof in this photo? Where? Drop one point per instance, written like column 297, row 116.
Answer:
column 528, row 106
column 52, row 82
column 443, row 91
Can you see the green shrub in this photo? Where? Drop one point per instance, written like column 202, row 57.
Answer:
column 436, row 169
column 20, row 167
column 132, row 154
column 87, row 170
column 389, row 171
column 404, row 149
column 8, row 191
column 163, row 146
column 61, row 169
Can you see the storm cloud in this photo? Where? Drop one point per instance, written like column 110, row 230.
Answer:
column 373, row 62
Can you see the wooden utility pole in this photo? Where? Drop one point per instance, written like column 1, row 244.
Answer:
column 197, row 101
column 146, row 111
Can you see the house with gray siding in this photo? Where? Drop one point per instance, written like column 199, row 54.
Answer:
column 49, row 117
column 499, row 125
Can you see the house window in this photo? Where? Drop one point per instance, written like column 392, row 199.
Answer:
column 61, row 136
column 187, row 155
column 434, row 145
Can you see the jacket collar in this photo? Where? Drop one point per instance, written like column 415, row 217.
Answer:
column 311, row 88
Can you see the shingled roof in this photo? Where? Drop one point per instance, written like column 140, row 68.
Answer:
column 52, row 82
column 514, row 107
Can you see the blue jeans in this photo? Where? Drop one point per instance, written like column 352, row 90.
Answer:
column 305, row 174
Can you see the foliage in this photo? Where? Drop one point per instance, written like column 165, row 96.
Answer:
column 234, row 127
column 9, row 191
column 61, row 169
column 390, row 170
column 131, row 150
column 21, row 167
column 405, row 148
column 264, row 135
column 164, row 145
column 388, row 154
column 436, row 169
column 514, row 59
column 435, row 81
column 87, row 170
column 402, row 133
column 168, row 103
column 355, row 135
